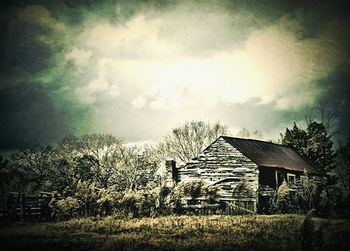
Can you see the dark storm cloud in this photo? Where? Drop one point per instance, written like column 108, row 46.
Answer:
column 30, row 112
column 38, row 86
column 28, row 116
column 23, row 55
column 337, row 94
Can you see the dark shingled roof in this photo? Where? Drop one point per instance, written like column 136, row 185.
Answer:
column 266, row 154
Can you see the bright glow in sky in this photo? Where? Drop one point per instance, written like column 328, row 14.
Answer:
column 170, row 71
column 140, row 74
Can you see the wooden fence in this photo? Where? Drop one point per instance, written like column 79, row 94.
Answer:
column 20, row 206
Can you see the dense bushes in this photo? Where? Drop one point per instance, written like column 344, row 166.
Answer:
column 304, row 196
column 151, row 200
column 99, row 175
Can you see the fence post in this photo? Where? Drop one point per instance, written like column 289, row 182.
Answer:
column 23, row 205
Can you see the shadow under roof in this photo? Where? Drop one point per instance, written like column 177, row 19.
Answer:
column 267, row 154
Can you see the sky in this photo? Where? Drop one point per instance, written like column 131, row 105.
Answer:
column 137, row 69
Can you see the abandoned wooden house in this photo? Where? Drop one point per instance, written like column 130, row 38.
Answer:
column 246, row 172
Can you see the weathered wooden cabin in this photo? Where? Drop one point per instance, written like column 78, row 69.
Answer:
column 245, row 171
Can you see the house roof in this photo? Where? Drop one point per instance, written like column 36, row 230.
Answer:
column 267, row 154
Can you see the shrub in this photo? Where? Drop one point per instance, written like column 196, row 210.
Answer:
column 64, row 208
column 283, row 199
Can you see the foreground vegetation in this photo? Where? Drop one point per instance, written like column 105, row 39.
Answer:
column 100, row 175
column 276, row 232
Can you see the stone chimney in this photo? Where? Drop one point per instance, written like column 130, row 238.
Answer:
column 171, row 175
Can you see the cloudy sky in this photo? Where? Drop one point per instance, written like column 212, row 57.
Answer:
column 136, row 69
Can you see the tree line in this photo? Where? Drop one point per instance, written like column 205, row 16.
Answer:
column 99, row 174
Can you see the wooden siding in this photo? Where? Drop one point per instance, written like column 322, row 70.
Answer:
column 224, row 166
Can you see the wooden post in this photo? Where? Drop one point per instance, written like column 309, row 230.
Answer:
column 255, row 206
column 276, row 179
column 10, row 205
column 23, row 205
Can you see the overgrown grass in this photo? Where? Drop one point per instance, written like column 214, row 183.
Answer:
column 277, row 232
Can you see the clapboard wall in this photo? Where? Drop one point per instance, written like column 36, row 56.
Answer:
column 223, row 166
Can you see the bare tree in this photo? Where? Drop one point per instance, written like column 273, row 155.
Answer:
column 32, row 167
column 308, row 114
column 186, row 141
column 245, row 133
column 134, row 168
column 257, row 134
column 328, row 116
column 325, row 112
column 104, row 148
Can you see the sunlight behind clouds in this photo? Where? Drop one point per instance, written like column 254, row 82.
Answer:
column 79, row 56
column 184, row 64
column 103, row 85
column 168, row 73
column 136, row 69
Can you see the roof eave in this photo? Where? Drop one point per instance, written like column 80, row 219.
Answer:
column 314, row 172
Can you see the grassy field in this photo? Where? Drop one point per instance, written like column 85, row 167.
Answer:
column 277, row 232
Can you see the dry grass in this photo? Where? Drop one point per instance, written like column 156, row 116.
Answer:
column 277, row 232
